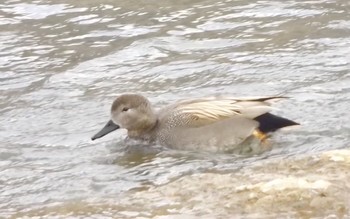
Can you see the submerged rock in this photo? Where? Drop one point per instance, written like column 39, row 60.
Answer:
column 308, row 187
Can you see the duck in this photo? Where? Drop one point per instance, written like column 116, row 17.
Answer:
column 217, row 123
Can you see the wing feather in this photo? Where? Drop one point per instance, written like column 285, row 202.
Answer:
column 200, row 112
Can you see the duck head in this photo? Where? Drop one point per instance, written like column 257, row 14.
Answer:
column 129, row 111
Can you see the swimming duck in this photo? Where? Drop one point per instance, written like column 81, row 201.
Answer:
column 209, row 124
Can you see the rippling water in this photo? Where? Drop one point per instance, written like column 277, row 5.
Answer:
column 62, row 63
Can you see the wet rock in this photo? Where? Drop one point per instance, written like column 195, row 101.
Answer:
column 304, row 187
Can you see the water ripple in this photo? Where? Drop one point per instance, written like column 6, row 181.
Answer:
column 63, row 62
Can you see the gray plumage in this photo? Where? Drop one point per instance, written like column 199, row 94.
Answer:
column 211, row 124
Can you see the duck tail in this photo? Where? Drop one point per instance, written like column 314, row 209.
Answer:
column 270, row 123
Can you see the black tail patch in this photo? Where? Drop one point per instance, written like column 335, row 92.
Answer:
column 270, row 123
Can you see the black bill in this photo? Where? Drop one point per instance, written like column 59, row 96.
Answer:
column 109, row 127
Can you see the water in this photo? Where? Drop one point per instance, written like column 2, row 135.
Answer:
column 63, row 62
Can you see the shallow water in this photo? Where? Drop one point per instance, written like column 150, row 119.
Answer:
column 63, row 62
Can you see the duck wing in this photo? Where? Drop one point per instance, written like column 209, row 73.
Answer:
column 205, row 111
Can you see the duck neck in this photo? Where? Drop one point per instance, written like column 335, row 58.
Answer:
column 144, row 132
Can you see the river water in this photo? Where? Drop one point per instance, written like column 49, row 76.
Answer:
column 63, row 62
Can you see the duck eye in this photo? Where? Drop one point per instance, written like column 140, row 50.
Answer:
column 125, row 109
